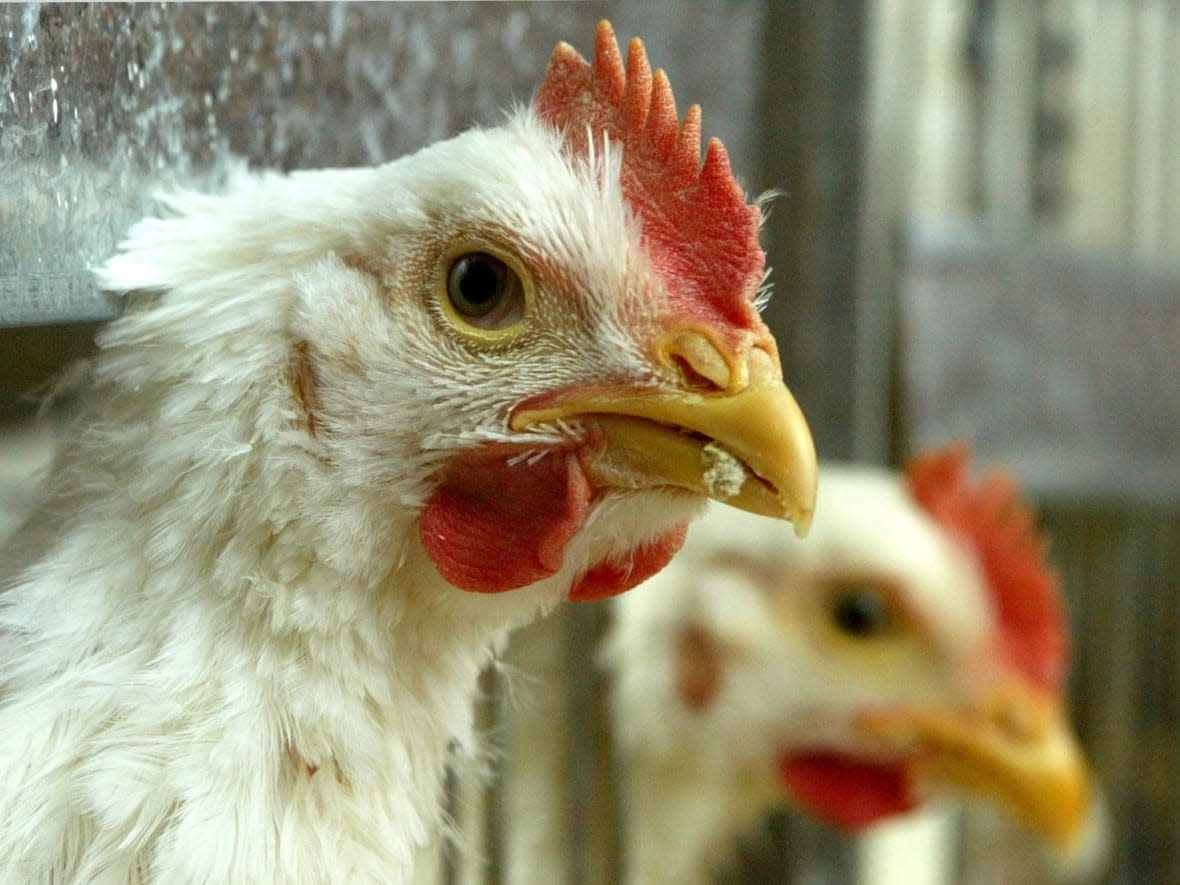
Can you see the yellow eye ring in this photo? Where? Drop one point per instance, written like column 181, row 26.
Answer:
column 484, row 292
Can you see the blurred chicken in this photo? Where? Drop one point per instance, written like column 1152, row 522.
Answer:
column 912, row 646
column 345, row 413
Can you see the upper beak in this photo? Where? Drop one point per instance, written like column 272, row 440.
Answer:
column 733, row 432
column 1018, row 750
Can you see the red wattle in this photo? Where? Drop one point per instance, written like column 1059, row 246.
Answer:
column 619, row 574
column 845, row 792
column 492, row 526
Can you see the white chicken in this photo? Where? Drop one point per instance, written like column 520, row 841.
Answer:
column 345, row 414
column 913, row 645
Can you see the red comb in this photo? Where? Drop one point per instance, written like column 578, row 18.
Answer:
column 1001, row 531
column 700, row 234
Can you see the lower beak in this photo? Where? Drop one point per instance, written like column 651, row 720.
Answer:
column 1019, row 751
column 750, row 448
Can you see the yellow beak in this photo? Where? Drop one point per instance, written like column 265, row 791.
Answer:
column 735, row 435
column 1017, row 750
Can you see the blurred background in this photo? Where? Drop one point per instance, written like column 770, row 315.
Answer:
column 976, row 238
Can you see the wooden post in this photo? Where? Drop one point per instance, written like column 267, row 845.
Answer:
column 812, row 110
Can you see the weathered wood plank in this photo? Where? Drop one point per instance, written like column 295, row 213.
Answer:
column 1064, row 365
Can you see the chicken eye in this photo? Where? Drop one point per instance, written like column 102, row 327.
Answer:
column 485, row 291
column 861, row 613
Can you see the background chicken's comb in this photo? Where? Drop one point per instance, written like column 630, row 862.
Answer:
column 701, row 235
column 1001, row 530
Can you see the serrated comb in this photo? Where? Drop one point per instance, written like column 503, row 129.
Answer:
column 699, row 233
column 1000, row 529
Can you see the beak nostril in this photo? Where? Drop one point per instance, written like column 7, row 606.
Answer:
column 693, row 379
column 1009, row 721
column 699, row 362
column 1020, row 722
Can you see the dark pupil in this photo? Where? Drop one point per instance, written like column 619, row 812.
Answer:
column 478, row 282
column 860, row 614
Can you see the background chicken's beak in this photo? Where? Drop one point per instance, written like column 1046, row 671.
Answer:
column 1018, row 750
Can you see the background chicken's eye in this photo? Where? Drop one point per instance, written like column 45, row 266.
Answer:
column 485, row 291
column 861, row 613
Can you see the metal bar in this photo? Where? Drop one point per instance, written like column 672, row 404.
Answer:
column 449, row 867
column 490, row 719
column 581, row 744
column 37, row 299
column 896, row 35
column 1009, row 112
